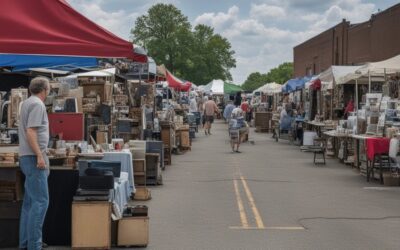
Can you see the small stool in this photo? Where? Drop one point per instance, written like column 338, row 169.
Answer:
column 318, row 150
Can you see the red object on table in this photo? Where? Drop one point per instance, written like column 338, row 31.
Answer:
column 69, row 126
column 377, row 146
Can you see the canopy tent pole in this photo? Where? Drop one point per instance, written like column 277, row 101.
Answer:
column 369, row 82
column 356, row 106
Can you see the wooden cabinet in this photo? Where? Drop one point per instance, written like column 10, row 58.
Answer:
column 91, row 225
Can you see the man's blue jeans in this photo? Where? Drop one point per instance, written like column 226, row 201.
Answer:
column 36, row 201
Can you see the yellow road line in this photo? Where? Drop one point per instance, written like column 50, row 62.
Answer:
column 257, row 216
column 243, row 217
column 268, row 228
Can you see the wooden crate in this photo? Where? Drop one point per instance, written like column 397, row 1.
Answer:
column 139, row 165
column 91, row 225
column 101, row 137
column 185, row 139
column 133, row 231
column 142, row 194
column 140, row 179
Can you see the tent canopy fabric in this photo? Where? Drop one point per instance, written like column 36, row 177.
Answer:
column 335, row 74
column 374, row 69
column 231, row 88
column 295, row 84
column 26, row 62
column 176, row 83
column 43, row 27
column 270, row 88
column 389, row 66
column 98, row 73
column 215, row 87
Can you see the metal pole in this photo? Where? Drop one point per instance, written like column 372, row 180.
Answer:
column 369, row 82
column 356, row 106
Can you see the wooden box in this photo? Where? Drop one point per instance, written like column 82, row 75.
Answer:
column 91, row 225
column 101, row 137
column 142, row 194
column 185, row 140
column 140, row 178
column 133, row 231
column 139, row 165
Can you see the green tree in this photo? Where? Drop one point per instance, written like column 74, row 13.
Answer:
column 211, row 57
column 280, row 74
column 254, row 81
column 163, row 32
column 199, row 55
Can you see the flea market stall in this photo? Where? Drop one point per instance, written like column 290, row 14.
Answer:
column 109, row 137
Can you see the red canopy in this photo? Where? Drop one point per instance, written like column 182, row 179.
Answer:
column 176, row 83
column 316, row 84
column 43, row 27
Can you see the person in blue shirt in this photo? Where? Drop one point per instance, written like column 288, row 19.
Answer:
column 228, row 111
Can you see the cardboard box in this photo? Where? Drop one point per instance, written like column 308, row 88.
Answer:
column 91, row 225
column 142, row 194
column 133, row 231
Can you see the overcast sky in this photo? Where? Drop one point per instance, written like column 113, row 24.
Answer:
column 262, row 32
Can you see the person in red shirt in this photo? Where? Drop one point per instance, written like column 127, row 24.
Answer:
column 246, row 110
column 349, row 108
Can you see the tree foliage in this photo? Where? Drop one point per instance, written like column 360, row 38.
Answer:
column 199, row 55
column 280, row 75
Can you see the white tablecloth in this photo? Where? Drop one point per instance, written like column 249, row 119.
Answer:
column 125, row 157
column 121, row 193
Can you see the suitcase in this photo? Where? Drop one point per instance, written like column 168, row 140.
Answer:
column 96, row 182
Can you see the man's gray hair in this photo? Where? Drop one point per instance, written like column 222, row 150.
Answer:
column 38, row 84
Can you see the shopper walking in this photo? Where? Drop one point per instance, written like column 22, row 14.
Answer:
column 210, row 108
column 33, row 134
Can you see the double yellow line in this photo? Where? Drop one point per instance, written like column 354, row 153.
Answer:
column 252, row 204
column 243, row 216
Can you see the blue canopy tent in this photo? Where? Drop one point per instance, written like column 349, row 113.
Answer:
column 19, row 63
column 295, row 84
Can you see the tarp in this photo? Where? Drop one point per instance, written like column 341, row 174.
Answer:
column 42, row 27
column 26, row 62
column 295, row 84
column 231, row 88
column 176, row 83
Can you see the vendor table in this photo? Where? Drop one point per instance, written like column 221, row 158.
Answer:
column 318, row 126
column 337, row 139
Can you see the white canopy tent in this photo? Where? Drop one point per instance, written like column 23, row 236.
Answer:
column 215, row 87
column 100, row 73
column 270, row 88
column 374, row 70
column 334, row 74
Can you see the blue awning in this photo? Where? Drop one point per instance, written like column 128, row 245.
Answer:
column 295, row 84
column 25, row 62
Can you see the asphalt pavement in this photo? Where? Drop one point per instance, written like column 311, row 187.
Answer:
column 270, row 196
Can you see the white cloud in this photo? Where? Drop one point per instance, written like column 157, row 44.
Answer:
column 351, row 10
column 118, row 22
column 263, row 38
column 265, row 11
column 219, row 20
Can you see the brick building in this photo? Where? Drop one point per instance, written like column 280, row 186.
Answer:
column 350, row 44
